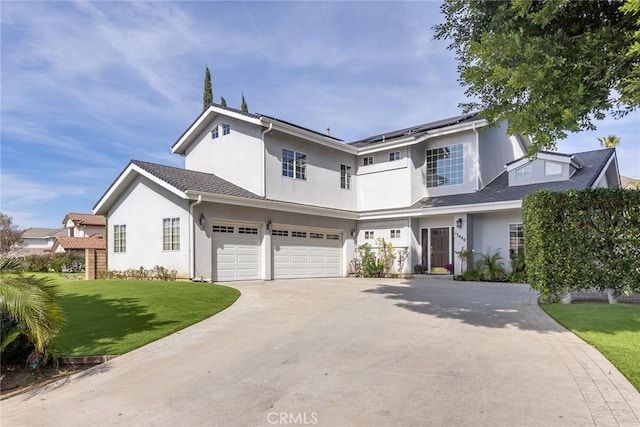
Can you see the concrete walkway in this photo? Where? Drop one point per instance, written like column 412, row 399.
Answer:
column 340, row 352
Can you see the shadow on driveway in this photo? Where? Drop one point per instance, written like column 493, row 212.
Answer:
column 491, row 305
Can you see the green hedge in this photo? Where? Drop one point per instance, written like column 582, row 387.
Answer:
column 582, row 240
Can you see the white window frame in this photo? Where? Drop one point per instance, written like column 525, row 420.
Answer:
column 369, row 235
column 296, row 164
column 226, row 129
column 394, row 234
column 552, row 169
column 514, row 237
column 119, row 238
column 367, row 161
column 171, row 234
column 524, row 172
column 215, row 132
column 345, row 177
column 450, row 167
column 394, row 156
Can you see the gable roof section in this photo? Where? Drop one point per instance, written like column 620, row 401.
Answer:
column 175, row 180
column 498, row 190
column 34, row 233
column 93, row 242
column 415, row 130
column 84, row 219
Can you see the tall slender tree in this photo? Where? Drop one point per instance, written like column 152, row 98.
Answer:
column 244, row 107
column 207, row 97
column 223, row 102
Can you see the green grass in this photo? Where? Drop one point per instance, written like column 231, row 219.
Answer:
column 613, row 329
column 112, row 317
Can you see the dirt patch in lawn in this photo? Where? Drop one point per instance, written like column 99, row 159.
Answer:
column 16, row 379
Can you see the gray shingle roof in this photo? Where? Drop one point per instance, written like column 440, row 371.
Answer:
column 498, row 190
column 184, row 179
column 414, row 130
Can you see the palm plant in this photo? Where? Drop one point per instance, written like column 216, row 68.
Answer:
column 610, row 141
column 29, row 308
column 491, row 266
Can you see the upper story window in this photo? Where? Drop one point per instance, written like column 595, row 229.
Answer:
column 395, row 234
column 551, row 168
column 345, row 177
column 394, row 156
column 524, row 172
column 294, row 164
column 369, row 235
column 171, row 234
column 119, row 238
column 226, row 129
column 367, row 161
column 215, row 132
column 445, row 166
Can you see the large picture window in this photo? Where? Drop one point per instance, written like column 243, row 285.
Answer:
column 171, row 234
column 445, row 166
column 119, row 238
column 516, row 238
column 294, row 164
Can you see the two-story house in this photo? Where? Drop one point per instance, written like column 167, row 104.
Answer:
column 262, row 198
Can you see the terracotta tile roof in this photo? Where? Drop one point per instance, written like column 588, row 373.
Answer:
column 93, row 242
column 84, row 219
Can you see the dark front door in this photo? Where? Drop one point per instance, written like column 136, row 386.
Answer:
column 439, row 247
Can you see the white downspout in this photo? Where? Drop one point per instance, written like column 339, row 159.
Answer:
column 192, row 246
column 264, row 160
column 477, row 157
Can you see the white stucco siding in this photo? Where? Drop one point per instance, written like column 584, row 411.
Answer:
column 385, row 189
column 236, row 157
column 322, row 184
column 419, row 170
column 222, row 213
column 496, row 149
column 491, row 233
column 383, row 229
column 142, row 208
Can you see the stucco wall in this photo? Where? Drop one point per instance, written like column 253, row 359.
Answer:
column 322, row 184
column 496, row 149
column 236, row 157
column 491, row 233
column 382, row 229
column 142, row 208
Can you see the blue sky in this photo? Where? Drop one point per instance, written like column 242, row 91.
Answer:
column 86, row 87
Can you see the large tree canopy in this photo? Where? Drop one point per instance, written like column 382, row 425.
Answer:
column 550, row 67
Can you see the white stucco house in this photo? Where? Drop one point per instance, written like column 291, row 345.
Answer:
column 262, row 198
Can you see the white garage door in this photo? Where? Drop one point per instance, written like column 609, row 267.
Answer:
column 303, row 253
column 236, row 251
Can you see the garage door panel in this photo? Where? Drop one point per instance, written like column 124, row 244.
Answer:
column 310, row 256
column 236, row 255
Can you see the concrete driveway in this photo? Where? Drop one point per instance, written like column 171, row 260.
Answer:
column 341, row 352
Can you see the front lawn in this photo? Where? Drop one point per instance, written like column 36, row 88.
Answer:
column 613, row 329
column 112, row 317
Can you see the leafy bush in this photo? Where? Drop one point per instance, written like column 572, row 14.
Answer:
column 587, row 239
column 157, row 273
column 470, row 275
column 419, row 269
column 491, row 266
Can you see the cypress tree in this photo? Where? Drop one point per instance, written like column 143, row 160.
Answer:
column 223, row 102
column 207, row 97
column 243, row 107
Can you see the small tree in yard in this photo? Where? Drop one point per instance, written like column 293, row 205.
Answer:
column 10, row 236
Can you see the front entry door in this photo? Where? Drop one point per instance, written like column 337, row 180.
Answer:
column 439, row 247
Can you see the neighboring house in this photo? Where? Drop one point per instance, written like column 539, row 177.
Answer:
column 77, row 245
column 261, row 198
column 37, row 241
column 83, row 225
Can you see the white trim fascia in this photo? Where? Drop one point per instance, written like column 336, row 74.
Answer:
column 390, row 145
column 114, row 191
column 461, row 127
column 515, row 165
column 444, row 210
column 604, row 171
column 273, row 205
column 188, row 136
column 308, row 135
